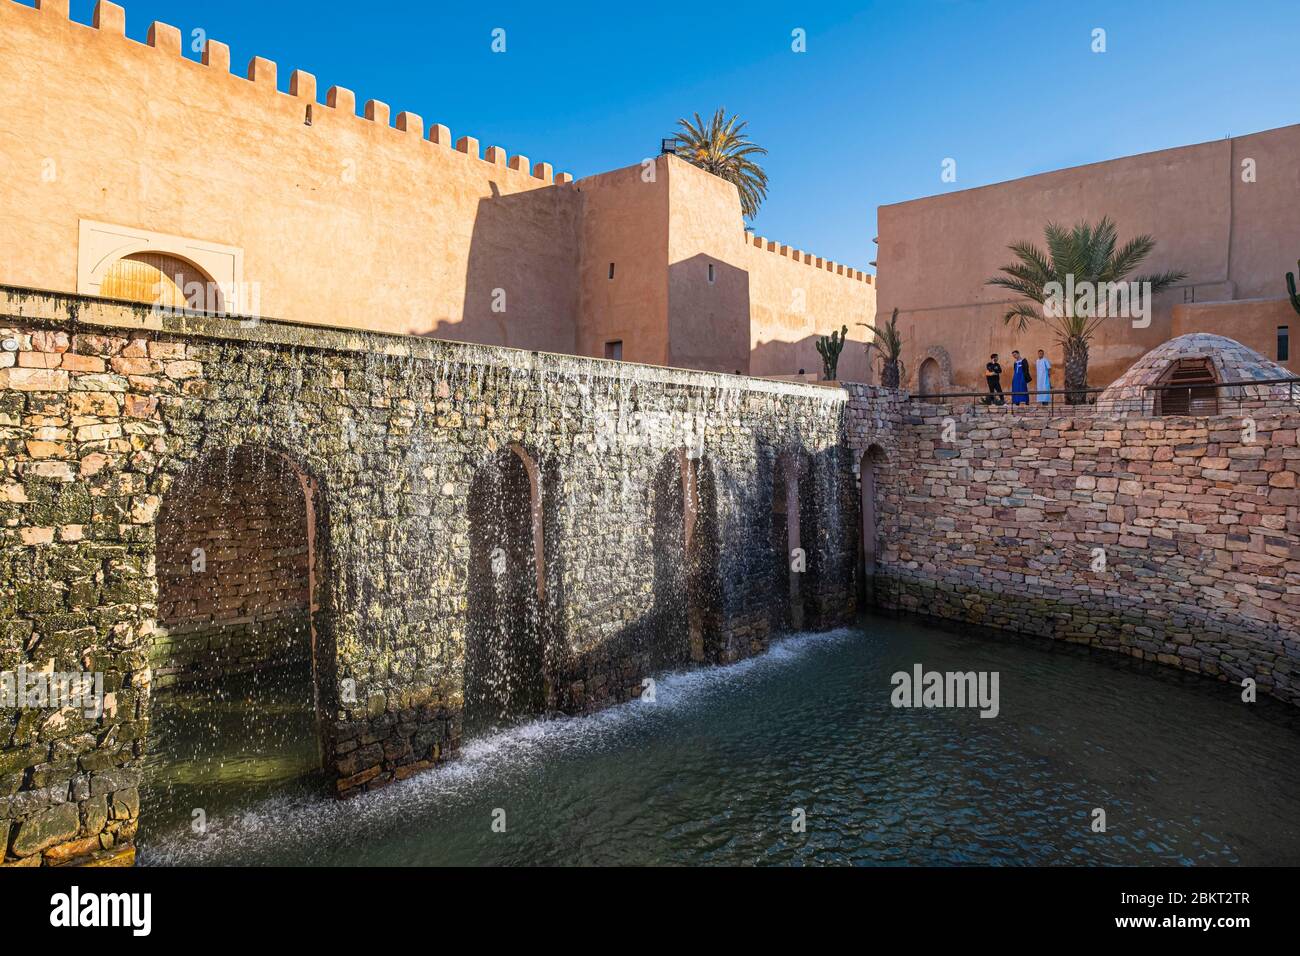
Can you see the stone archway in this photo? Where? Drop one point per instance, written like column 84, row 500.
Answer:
column 929, row 377
column 236, row 662
column 684, row 536
column 794, row 540
column 506, row 637
column 871, row 468
column 934, row 372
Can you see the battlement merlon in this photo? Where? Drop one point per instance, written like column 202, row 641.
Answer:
column 109, row 20
column 807, row 258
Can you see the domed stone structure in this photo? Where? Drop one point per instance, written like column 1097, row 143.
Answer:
column 1183, row 377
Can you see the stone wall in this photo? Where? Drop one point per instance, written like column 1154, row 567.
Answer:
column 998, row 523
column 106, row 409
column 232, row 570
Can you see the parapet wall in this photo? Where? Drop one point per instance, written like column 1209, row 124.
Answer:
column 1167, row 539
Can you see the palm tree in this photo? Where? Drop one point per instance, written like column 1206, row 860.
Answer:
column 888, row 342
column 721, row 147
column 1082, row 254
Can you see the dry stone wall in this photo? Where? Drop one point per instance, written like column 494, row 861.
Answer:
column 1001, row 518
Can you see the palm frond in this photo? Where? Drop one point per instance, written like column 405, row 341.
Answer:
column 720, row 146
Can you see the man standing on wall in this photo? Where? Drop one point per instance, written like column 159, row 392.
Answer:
column 1020, row 379
column 993, row 375
column 1043, row 368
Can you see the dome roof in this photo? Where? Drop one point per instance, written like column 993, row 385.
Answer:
column 1227, row 359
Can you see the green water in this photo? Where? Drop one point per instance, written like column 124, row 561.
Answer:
column 713, row 771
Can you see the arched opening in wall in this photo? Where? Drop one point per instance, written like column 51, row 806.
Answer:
column 794, row 541
column 160, row 279
column 870, row 470
column 505, row 647
column 235, row 707
column 929, row 378
column 684, row 545
column 1187, row 388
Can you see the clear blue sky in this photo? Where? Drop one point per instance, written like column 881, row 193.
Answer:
column 884, row 93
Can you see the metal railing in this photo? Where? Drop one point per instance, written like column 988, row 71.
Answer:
column 1151, row 400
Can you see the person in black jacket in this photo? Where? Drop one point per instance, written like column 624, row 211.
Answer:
column 993, row 375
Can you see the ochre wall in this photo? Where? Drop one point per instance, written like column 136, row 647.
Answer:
column 377, row 220
column 795, row 298
column 1234, row 240
column 341, row 221
column 624, row 221
column 1253, row 323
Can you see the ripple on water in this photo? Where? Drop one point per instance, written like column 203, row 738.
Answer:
column 712, row 771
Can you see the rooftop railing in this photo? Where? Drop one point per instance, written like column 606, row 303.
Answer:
column 1197, row 399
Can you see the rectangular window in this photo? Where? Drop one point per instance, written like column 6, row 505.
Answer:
column 611, row 270
column 710, row 271
column 614, row 350
column 1284, row 343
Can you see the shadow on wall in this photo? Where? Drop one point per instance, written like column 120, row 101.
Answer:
column 681, row 626
column 521, row 281
column 708, row 315
column 776, row 358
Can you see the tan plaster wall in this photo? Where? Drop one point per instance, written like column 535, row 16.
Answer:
column 345, row 221
column 708, row 321
column 1252, row 322
column 794, row 302
column 624, row 221
column 361, row 221
column 1233, row 239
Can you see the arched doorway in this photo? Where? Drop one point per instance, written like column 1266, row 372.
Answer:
column 930, row 378
column 870, row 469
column 163, row 280
column 235, row 708
column 794, row 541
column 684, row 542
column 505, row 649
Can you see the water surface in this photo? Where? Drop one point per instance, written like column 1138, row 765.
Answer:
column 714, row 769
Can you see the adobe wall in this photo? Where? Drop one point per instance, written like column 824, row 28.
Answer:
column 339, row 216
column 1254, row 323
column 624, row 223
column 1200, row 529
column 339, row 219
column 1234, row 239
column 760, row 314
column 107, row 408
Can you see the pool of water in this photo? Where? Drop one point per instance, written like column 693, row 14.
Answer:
column 714, row 770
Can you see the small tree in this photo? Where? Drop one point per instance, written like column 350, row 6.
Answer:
column 830, row 347
column 888, row 343
column 1084, row 256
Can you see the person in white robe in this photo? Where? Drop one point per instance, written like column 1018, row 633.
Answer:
column 1043, row 373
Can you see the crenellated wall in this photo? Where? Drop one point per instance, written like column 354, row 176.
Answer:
column 276, row 187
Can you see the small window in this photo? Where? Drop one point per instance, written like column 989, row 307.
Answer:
column 614, row 350
column 710, row 271
column 611, row 270
column 1284, row 343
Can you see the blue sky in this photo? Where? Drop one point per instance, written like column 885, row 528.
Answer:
column 884, row 94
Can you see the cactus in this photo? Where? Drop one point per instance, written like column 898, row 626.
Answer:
column 1290, row 287
column 830, row 347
